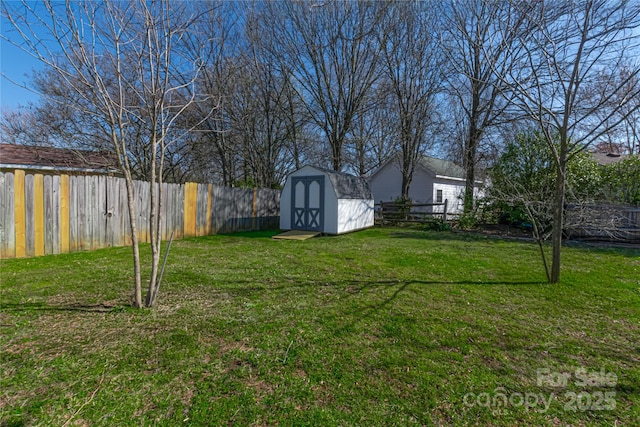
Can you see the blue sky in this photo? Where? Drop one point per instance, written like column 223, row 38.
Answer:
column 15, row 65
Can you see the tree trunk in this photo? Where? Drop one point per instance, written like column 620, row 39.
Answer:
column 336, row 155
column 558, row 219
column 154, row 216
column 137, row 289
column 470, row 171
column 406, row 183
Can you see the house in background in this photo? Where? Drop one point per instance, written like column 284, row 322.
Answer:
column 434, row 181
column 604, row 158
column 316, row 199
column 52, row 160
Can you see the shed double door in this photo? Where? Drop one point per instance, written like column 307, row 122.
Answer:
column 307, row 206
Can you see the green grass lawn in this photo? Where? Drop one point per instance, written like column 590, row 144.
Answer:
column 381, row 327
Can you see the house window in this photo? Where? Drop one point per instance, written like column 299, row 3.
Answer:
column 438, row 196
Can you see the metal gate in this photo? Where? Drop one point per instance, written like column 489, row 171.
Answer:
column 307, row 204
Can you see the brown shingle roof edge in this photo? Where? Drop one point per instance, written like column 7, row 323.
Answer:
column 39, row 157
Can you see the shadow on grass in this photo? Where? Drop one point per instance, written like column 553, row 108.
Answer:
column 37, row 306
column 263, row 234
column 456, row 235
column 403, row 285
column 625, row 249
column 353, row 287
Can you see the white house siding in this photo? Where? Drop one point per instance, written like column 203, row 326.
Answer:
column 354, row 214
column 452, row 191
column 421, row 188
column 386, row 186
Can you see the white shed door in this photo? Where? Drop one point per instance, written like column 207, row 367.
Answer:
column 307, row 206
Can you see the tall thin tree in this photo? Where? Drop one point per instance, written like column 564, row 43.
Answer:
column 332, row 53
column 413, row 68
column 479, row 39
column 569, row 46
column 118, row 64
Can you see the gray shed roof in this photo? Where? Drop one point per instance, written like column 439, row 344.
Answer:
column 348, row 186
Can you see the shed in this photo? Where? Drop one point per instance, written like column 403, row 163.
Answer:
column 316, row 199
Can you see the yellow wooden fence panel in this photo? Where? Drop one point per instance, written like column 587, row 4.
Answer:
column 38, row 214
column 190, row 208
column 19, row 214
column 64, row 213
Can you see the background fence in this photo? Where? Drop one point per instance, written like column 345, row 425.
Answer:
column 51, row 214
column 393, row 213
column 603, row 222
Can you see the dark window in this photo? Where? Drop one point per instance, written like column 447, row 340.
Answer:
column 438, row 196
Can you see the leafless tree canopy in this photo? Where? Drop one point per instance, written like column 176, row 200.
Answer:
column 115, row 79
column 574, row 69
column 480, row 40
column 412, row 62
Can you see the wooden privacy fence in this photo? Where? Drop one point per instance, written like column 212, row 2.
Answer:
column 51, row 214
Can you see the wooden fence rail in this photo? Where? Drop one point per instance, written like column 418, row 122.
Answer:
column 52, row 214
column 391, row 212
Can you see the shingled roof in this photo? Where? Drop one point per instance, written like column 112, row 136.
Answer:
column 348, row 186
column 52, row 158
column 442, row 167
column 604, row 159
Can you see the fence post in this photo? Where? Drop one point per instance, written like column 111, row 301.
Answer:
column 444, row 211
column 209, row 207
column 191, row 209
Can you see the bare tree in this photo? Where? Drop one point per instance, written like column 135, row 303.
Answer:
column 215, row 41
column 118, row 63
column 374, row 137
column 479, row 39
column 412, row 63
column 620, row 113
column 261, row 113
column 571, row 43
column 331, row 51
column 55, row 119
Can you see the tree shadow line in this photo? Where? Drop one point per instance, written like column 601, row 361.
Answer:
column 72, row 307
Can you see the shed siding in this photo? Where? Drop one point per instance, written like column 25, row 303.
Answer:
column 285, row 206
column 354, row 214
column 331, row 204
